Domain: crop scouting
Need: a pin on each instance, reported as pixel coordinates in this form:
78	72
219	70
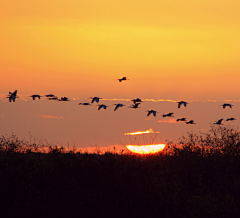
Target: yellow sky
186	46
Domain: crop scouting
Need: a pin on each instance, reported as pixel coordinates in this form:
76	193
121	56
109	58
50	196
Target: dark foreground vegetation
197	177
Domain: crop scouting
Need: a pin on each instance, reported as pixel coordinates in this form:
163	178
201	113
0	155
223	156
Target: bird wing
15	93
117	106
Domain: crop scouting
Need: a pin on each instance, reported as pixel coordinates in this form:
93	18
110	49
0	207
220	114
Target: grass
198	176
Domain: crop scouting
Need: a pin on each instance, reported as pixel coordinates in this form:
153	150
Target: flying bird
226	105
180	103
153	112
102	106
230	119
53	98
219	122
136	100
89	104
168	115
122	79
95	99
64	99
35	96
190	122
117	106
12	96
50	95
135	105
182	119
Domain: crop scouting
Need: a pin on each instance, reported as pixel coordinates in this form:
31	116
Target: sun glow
146	149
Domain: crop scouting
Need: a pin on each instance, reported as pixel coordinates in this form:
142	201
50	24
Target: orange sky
171	50
82	47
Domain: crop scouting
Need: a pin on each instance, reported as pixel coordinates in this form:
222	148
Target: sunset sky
170	51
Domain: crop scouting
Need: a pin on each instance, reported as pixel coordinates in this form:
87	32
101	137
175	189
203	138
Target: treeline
199	176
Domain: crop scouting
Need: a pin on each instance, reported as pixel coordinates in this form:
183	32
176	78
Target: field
199	178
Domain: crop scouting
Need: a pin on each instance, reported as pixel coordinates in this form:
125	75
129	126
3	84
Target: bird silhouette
136	100
219	122
180	103
102	106
12	96
226	105
153	112
122	79
230	119
190	122
89	104
135	105
50	95
181	119
64	99
95	99
35	96
53	98
117	106
168	115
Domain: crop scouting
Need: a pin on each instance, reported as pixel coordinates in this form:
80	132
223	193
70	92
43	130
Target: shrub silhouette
199	176
221	140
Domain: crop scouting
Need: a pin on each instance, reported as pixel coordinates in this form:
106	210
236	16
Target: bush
220	140
199	176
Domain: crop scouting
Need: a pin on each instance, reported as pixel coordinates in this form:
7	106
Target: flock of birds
136	102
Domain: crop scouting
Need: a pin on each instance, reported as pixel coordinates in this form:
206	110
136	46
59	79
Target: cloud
124	99
77	99
24	99
154	100
116	99
52	117
168	121
233	100
141	132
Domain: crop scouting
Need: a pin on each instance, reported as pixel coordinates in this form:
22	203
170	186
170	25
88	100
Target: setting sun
146	149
